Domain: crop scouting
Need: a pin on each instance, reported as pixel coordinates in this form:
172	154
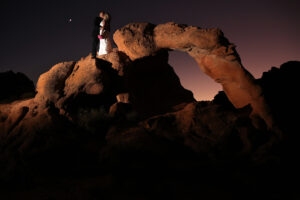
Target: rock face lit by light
214	54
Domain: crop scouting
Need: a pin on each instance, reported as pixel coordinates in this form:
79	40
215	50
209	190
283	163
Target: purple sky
35	35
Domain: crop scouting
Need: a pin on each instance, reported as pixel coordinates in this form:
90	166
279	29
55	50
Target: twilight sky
35	35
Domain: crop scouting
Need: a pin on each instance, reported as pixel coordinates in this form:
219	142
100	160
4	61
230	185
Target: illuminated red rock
76	88
215	55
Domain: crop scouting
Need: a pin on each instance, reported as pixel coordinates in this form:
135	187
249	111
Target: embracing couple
101	35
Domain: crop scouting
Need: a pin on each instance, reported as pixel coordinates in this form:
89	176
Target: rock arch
214	54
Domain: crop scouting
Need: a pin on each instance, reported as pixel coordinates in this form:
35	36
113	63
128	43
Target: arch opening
192	78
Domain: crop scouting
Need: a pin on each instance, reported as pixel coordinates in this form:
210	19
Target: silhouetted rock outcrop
280	87
153	86
14	86
222	99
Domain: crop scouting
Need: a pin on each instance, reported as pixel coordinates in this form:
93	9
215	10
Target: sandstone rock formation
73	89
124	127
215	55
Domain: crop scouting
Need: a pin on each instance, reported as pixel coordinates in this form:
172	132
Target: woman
105	45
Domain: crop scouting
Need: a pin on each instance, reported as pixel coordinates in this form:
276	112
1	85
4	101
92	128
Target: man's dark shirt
95	34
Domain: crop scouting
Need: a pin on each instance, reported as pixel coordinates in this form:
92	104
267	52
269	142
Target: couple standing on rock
101	35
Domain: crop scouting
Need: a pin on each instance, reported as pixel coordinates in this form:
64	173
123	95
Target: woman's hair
107	16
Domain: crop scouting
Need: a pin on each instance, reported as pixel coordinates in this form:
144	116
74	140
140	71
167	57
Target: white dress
105	43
